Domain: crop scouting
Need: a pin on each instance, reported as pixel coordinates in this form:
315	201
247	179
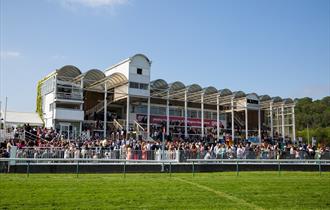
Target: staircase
117	125
140	131
239	119
98	107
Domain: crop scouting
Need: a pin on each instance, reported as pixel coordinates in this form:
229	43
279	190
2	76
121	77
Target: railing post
28	169
125	169
193	168
320	170
279	167
77	169
237	171
170	169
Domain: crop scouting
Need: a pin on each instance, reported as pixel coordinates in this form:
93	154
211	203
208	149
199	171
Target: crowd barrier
95	153
81	165
158	154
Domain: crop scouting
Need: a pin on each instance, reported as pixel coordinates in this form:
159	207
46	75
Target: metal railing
276	162
95	153
6	163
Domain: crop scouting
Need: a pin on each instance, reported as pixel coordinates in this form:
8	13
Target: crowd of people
47	143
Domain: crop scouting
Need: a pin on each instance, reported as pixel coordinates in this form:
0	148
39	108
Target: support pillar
81	105
105	111
202	115
246	124
185	114
283	127
278	121
127	115
232	120
148	117
218	120
271	120
293	125
259	125
168	114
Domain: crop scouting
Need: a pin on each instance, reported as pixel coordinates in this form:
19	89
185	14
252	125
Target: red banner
155	119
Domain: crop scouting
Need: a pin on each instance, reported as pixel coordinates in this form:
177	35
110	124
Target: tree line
316	116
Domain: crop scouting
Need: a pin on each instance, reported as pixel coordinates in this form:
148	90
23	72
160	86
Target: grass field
250	190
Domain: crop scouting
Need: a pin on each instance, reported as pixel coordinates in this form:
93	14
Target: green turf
250	190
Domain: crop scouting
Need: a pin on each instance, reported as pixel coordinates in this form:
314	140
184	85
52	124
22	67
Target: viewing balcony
69	114
69	96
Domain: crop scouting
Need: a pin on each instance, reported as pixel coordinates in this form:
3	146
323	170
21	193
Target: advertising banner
157	119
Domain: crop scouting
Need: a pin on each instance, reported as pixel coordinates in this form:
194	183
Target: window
155	110
134	85
175	112
144	86
192	113
51	107
137	85
139	71
141	109
251	101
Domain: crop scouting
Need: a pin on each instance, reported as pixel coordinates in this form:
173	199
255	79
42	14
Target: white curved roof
91	76
159	84
68	72
225	92
176	86
112	81
264	98
193	88
238	94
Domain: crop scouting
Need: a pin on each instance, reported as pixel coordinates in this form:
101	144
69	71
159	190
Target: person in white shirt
240	152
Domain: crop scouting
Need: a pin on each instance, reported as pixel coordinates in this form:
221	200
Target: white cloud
9	54
94	3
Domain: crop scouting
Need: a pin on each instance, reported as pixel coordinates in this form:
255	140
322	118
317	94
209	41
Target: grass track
250	190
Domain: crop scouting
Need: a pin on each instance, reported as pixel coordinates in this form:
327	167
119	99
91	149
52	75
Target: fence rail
75	165
157	154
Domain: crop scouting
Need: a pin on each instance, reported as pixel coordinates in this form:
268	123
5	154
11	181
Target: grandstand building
123	97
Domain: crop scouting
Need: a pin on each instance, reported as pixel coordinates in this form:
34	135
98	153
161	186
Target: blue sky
275	47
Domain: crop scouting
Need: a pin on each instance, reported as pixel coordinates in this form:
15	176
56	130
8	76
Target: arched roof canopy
112	81
116	79
175	86
225	92
92	76
276	99
210	90
253	96
238	94
67	73
158	84
263	98
193	88
287	101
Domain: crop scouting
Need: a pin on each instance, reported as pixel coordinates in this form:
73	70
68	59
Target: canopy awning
18	118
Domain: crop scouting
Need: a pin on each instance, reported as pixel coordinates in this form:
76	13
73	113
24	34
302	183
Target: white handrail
117	124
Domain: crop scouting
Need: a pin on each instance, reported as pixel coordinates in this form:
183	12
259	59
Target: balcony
69	96
69	114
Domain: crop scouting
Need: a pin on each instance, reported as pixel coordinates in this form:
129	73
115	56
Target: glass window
144	86
207	115
141	109
134	85
192	113
139	71
157	110
175	112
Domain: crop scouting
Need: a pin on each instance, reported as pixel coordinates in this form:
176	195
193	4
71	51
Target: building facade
123	97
